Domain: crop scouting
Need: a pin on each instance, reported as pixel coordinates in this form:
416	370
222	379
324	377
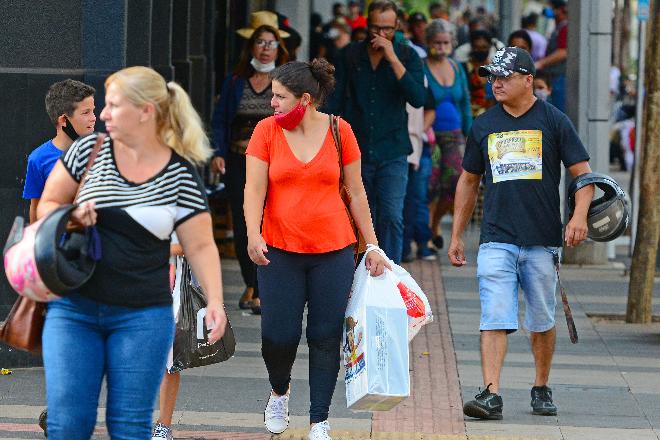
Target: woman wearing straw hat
244	101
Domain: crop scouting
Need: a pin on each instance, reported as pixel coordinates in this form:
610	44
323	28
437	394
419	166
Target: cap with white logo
508	60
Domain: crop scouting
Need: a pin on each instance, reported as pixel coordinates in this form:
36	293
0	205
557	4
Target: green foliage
416	6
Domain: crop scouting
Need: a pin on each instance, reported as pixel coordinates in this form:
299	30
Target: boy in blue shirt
70	106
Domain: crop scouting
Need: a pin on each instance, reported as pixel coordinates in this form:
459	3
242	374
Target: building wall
78	39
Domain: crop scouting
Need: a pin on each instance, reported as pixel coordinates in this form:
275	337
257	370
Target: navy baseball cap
417	17
508	60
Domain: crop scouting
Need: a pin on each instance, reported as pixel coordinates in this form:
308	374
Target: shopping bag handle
373	247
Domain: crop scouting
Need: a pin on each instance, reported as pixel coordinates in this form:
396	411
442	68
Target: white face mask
333	33
261	67
542	94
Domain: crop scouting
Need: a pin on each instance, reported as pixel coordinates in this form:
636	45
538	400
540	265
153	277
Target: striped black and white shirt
135	222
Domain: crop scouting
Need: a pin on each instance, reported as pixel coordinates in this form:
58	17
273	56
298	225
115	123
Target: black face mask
479	55
69	130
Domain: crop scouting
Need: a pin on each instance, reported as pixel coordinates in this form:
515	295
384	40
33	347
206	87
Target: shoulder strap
334	127
100	138
454	65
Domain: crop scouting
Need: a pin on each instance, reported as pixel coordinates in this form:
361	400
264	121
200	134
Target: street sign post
643	10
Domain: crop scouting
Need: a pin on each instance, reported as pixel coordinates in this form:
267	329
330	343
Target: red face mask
292	118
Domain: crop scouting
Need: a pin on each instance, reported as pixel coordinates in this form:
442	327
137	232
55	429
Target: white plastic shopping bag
375	343
417	304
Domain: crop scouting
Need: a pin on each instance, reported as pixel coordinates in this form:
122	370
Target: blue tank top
447	117
447	114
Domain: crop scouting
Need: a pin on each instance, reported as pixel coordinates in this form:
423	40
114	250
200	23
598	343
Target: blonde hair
178	124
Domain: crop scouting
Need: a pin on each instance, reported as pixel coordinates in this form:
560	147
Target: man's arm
410	76
412	81
576	229
465	198
555	57
387	46
397	66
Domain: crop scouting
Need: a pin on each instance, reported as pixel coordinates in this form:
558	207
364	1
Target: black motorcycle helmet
609	215
64	259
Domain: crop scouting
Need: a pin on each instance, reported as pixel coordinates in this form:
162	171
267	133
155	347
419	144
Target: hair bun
315	77
322	70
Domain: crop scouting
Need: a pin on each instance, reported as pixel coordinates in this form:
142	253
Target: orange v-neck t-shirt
304	212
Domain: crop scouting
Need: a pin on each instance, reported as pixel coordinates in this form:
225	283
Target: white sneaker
276	414
161	432
320	431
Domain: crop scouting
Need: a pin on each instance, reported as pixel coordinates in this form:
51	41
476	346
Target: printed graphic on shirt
516	155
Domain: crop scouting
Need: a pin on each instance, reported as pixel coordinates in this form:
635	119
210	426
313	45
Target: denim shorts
501	269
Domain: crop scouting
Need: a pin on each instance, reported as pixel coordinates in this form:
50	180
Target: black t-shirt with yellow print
520	159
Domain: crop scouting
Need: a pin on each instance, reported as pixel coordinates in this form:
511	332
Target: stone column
201	49
138	32
510	14
161	38
104	36
589	49
181	44
299	14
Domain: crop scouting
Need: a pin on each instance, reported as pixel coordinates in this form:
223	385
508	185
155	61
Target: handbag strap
334	127
100	138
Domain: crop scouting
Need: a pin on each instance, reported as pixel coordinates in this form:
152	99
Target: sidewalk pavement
226	401
607	386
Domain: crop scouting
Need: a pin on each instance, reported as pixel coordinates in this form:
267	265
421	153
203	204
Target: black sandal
256	308
243	303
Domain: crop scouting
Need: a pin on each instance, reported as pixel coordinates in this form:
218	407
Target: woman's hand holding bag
375	261
84	215
216	319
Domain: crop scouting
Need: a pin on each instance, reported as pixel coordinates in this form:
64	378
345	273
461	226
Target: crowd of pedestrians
421	100
458	95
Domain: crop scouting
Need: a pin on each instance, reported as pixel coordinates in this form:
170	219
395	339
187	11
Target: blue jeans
83	341
289	281
385	183
558	96
416	208
501	269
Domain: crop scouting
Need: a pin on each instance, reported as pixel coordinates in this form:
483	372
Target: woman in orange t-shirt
304	249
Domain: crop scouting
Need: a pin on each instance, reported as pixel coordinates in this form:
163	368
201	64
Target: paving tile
435	390
606	386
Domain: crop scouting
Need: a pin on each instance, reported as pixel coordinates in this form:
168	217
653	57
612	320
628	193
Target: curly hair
63	97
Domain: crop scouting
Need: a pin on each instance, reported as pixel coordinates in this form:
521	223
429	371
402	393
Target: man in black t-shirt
517	148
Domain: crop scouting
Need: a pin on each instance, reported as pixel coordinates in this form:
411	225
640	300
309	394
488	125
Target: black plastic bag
191	345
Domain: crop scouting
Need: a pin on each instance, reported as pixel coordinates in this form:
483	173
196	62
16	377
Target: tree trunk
618	33
640	290
624	48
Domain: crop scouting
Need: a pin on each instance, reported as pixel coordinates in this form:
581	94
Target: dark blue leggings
323	282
